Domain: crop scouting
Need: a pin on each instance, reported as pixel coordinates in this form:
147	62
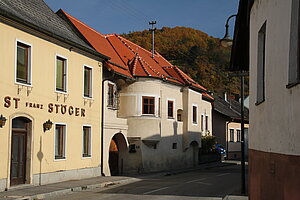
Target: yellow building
49	76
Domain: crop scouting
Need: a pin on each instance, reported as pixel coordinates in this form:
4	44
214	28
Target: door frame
25	134
29	148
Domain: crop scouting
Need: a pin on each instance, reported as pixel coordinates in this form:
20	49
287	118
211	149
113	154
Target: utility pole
153	30
242	76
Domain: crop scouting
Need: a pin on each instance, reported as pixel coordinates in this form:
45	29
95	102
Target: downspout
227	140
102	126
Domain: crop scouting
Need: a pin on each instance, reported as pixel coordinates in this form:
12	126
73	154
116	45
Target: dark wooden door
18	158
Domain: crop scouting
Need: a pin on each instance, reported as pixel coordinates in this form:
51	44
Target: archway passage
21	127
113	158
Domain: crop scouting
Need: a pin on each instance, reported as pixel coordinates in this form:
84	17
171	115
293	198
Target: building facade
49	77
274	155
155	113
227	126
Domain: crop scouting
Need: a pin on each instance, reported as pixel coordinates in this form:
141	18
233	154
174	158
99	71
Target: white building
154	114
272	27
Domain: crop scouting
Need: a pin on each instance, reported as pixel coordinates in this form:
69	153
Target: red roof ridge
122	38
156	72
82	23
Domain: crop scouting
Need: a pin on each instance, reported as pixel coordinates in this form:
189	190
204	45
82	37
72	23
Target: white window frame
229	136
90	140
236	130
29	63
114	98
174	110
66	66
92	82
197	120
65	141
155	105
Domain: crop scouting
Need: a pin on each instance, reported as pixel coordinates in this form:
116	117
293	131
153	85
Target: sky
124	16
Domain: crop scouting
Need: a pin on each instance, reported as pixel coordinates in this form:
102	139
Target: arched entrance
117	150
113	158
20	148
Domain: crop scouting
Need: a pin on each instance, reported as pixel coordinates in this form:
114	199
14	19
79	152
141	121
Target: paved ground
207	184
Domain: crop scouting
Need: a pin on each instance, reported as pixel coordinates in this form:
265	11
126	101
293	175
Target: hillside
196	53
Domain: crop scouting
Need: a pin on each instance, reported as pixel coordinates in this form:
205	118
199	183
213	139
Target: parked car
220	149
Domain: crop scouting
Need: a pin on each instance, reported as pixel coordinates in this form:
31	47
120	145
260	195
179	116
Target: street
210	183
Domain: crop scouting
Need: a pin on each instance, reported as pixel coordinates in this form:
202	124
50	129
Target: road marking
204	183
223	174
152	191
196	180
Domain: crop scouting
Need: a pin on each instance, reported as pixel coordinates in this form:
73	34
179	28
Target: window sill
88	98
171	118
59	158
290	85
260	102
23	84
112	108
86	156
61	91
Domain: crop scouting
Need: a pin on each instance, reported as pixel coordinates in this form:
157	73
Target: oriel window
87	82
86	151
148	105
23	63
61	74
60	137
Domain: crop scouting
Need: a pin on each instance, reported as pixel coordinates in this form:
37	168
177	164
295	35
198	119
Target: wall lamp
227	41
2	121
47	125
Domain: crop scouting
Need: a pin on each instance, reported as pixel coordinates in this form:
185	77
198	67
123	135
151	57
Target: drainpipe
102	125
227	140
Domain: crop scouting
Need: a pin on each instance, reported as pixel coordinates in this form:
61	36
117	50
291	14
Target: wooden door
18	158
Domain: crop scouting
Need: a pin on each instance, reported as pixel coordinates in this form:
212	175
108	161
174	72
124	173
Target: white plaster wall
274	123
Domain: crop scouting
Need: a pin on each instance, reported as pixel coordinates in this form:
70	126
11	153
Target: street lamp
227	41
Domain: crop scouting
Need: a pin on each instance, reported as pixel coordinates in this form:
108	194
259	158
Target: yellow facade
40	102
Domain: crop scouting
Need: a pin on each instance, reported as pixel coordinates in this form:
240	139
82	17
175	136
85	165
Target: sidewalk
29	192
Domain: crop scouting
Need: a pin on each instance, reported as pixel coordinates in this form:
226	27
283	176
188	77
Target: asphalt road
208	184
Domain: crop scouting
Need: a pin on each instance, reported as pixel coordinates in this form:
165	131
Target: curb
76	189
230	197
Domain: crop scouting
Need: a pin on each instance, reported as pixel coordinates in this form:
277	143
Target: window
261	65
194	114
231	135
23	63
87	81
202	122
170	109
179	115
206	122
174	146
294	51
61	74
132	148
238	135
112	96
159	107
86	149
148	105
60	137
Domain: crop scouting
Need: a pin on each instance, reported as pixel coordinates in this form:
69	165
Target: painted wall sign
51	107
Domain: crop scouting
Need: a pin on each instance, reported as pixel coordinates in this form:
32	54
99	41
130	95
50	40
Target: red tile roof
131	60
